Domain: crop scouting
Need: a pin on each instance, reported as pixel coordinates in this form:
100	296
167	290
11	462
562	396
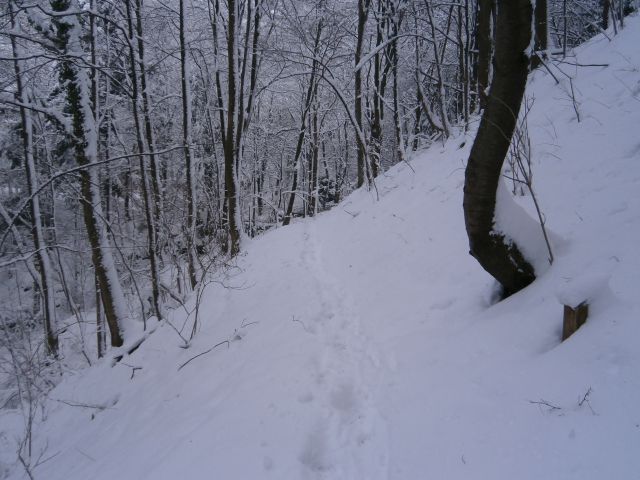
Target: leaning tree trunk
83	138
497	254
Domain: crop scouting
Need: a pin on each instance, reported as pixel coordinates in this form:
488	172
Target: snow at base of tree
514	222
364	344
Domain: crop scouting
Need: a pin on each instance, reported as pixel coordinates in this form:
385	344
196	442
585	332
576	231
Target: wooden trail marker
574	318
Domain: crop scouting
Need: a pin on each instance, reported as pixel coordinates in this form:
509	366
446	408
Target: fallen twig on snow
543	402
203	353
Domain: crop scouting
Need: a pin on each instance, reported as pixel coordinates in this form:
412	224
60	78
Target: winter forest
146	145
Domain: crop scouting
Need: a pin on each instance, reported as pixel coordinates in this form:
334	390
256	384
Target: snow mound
583	289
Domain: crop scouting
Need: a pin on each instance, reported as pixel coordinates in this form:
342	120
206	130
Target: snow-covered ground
365	343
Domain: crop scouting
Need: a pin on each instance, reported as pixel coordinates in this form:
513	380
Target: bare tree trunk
230	173
246	96
313	167
146	114
363	12
397	127
497	255
146	193
541	31
465	64
379	82
621	12
303	127
606	9
43	262
244	113
214	15
564	28
101	337
83	138
186	144
446	127
393	60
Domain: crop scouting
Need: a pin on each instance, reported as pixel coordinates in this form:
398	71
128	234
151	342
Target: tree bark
541	32
606	8
483	41
230	176
495	253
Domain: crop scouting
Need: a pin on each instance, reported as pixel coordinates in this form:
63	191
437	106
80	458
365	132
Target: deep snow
364	343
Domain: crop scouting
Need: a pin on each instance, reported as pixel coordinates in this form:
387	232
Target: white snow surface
365	343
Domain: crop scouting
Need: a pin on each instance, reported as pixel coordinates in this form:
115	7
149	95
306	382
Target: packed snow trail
349	438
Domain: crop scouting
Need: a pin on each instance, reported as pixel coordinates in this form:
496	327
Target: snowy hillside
364	344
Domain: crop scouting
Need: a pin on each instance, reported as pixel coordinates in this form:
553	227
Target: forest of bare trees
142	141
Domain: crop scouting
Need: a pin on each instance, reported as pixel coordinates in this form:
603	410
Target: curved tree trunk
497	255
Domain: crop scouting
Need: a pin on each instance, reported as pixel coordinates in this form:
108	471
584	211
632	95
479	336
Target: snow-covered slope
364	344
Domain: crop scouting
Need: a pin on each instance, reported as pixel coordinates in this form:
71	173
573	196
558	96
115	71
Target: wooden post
574	318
